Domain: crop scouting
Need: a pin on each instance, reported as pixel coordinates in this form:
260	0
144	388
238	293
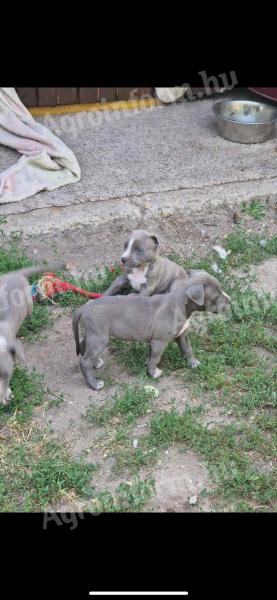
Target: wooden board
68	95
54	96
89	94
47	96
28	96
107	94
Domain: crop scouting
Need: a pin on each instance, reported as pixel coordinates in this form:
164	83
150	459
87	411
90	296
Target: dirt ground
85	249
179	476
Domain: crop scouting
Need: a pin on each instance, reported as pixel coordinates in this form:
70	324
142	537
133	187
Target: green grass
28	393
128	497
131	403
221	448
36	470
255	209
233	379
12	256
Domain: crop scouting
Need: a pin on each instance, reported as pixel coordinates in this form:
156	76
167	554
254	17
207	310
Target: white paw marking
98	363
100	385
157	373
194	363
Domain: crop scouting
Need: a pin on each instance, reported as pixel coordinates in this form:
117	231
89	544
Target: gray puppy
144	269
156	320
16	304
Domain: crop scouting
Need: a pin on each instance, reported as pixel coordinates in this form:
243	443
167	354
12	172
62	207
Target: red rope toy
50	284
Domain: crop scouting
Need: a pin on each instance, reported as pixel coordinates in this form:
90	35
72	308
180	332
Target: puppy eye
140	250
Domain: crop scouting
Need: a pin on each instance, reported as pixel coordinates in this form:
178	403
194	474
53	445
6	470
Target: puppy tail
75	326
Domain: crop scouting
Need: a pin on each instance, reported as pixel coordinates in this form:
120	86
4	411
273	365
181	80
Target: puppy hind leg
156	349
94	346
186	349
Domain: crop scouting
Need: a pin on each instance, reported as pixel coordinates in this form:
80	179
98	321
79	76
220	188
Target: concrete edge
50	220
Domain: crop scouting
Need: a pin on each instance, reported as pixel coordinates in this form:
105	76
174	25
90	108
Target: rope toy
50	284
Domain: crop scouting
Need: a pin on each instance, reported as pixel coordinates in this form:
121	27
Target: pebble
263	243
221	251
193	499
135	443
216	268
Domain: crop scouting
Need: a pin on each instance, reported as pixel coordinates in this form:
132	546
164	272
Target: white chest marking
3	343
137	278
185	326
128	249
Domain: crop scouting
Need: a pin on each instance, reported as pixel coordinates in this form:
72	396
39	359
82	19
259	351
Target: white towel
46	162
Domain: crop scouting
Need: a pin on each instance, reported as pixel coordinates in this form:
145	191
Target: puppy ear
196	294
156	240
16	350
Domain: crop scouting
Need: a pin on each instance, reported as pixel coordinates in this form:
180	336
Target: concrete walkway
154	159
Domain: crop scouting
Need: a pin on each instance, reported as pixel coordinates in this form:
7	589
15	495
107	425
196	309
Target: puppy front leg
117	285
186	349
156	349
146	290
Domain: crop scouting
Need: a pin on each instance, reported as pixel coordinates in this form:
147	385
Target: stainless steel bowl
245	121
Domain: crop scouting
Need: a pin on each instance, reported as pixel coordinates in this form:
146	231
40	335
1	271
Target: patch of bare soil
86	248
263	277
266	277
180	477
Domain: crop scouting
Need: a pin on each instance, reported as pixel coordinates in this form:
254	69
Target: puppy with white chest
144	269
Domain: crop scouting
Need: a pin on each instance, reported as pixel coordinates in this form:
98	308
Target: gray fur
16	305
144	253
156	320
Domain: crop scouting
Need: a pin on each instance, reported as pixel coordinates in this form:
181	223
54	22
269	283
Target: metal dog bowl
245	121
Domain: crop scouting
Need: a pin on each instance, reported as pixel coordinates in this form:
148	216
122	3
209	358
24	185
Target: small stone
216	268
193	499
263	243
221	252
135	443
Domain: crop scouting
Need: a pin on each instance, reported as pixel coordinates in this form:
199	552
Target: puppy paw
99	385
98	363
156	373
193	363
8	397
